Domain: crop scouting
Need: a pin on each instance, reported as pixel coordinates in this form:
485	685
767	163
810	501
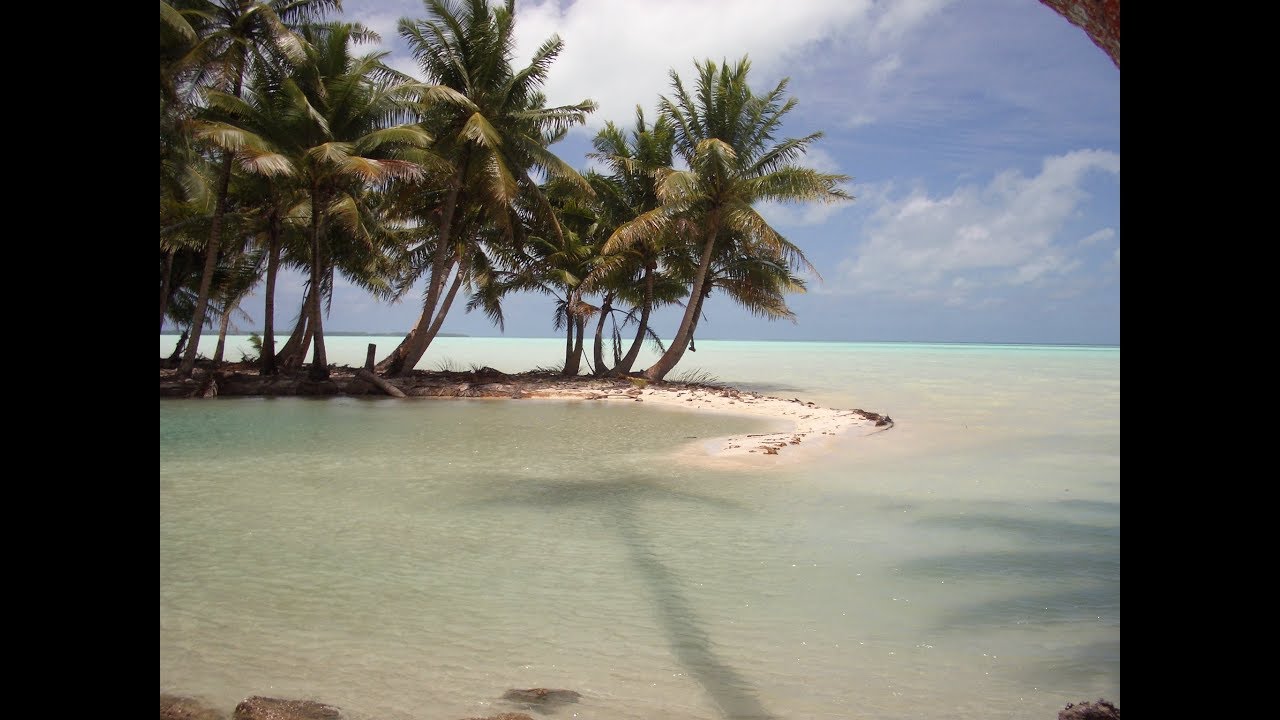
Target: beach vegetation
725	134
283	146
492	126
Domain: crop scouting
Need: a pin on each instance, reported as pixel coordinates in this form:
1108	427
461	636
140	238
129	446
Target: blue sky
982	136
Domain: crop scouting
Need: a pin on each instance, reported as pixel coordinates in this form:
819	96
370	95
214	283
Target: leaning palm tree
343	142
635	273
491	123
756	277
724	133
337	142
236	36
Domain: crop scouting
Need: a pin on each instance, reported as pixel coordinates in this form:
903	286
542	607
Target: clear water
416	559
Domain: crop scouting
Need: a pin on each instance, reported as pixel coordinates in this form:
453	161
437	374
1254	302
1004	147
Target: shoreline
804	426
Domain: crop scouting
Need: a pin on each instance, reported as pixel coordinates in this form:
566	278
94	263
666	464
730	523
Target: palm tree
634	273
756	277
336	141
724	132
491	124
236	36
343	144
558	264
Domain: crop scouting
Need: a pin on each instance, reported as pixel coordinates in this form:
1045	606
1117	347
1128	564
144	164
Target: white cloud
1097	237
385	24
883	69
900	18
1004	234
620	53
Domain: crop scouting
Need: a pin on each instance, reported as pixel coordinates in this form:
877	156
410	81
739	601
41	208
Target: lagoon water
417	558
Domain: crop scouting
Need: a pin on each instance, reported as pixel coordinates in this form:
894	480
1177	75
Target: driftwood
381	384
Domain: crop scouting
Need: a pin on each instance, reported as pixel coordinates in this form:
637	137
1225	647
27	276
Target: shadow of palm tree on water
694	649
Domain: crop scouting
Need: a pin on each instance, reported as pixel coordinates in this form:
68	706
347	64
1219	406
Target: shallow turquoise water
415	559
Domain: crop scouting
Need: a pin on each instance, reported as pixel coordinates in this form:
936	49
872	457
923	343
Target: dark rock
1100	710
176	707
265	708
542	695
1100	19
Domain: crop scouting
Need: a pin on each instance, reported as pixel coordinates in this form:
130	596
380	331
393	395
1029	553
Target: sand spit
800	424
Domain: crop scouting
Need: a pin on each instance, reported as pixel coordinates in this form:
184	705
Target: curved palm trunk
177	349
299	357
414	345
444	308
624	367
319	360
676	349
580	325
165	281
267	364
211	250
223	324
285	358
568	343
598	351
573	346
210	263
434	330
406	355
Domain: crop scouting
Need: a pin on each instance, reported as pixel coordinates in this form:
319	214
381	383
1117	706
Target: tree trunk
177	350
568	344
222	335
419	337
267	361
319	360
301	356
406	355
210	263
676	349
598	350
165	279
579	324
624	366
444	310
379	383
289	351
211	250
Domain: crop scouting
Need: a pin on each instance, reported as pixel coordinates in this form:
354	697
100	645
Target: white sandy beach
803	428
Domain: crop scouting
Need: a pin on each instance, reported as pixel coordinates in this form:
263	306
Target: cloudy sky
982	136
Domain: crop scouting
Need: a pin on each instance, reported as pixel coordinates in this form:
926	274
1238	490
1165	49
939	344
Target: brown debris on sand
542	695
1100	710
177	707
268	708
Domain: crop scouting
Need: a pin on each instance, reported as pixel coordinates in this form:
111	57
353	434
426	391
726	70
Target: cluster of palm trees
280	144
